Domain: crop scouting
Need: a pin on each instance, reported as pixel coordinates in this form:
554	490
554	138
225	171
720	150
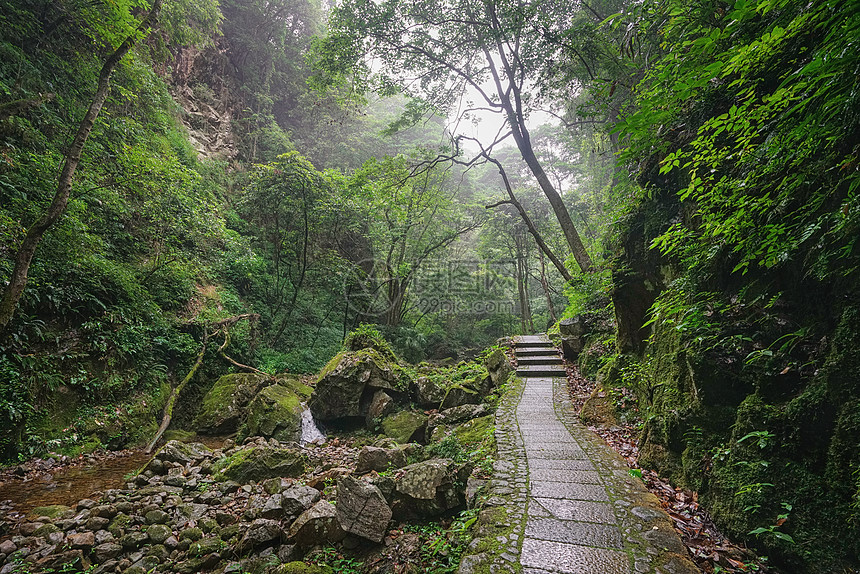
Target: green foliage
368	337
763	97
587	293
331	557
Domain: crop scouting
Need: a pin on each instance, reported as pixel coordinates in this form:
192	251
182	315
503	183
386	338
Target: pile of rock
364	386
193	509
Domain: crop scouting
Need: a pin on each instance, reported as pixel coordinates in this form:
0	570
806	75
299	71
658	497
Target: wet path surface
585	513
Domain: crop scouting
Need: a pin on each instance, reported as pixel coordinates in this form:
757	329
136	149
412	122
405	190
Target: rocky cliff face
201	84
749	388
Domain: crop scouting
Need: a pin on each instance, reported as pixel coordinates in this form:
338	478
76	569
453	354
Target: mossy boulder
460	394
475	430
224	405
498	367
346	386
429	392
276	411
598	409
405	426
53	511
256	463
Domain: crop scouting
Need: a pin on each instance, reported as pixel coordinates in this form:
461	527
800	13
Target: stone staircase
537	357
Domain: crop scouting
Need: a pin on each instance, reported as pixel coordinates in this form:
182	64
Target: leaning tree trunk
24	256
561	214
527	220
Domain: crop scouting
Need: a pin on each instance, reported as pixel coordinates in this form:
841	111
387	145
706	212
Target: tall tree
451	52
35	233
409	219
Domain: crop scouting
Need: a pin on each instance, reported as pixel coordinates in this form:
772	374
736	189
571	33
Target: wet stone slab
569	491
581	510
560	464
556	453
585	533
564	475
572	558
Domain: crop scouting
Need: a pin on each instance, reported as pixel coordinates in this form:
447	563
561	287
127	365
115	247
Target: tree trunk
545	284
529	224
24	256
561	214
511	102
171	402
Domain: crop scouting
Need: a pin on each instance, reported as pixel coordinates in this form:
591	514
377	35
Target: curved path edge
561	501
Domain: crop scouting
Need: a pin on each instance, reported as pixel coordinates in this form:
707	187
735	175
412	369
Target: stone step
532	343
540	360
536	351
541	371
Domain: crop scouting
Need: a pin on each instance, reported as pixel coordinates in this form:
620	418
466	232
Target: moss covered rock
224	405
346	385
53	511
405	426
475	430
276	411
256	463
498	367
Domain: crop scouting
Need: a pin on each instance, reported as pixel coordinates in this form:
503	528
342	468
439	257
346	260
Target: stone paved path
571	525
560	500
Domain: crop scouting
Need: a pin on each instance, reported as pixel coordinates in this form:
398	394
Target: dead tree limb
168	408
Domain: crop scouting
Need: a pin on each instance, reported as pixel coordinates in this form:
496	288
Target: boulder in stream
276	411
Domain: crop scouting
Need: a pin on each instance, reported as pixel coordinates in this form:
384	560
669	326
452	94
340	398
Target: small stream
68	485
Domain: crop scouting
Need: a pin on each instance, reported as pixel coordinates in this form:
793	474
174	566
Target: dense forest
190	189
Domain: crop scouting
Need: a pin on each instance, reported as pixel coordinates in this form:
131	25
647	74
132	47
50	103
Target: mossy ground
753	450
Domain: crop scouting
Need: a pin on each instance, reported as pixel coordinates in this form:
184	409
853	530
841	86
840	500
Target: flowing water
310	432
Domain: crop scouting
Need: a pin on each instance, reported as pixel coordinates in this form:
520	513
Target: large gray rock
429	392
379	459
316	525
347	384
297	499
261	532
224	405
276	411
380	405
456	415
183	452
463	394
422	479
574	333
257	463
362	509
430	488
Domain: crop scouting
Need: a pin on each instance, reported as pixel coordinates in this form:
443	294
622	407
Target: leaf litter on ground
712	551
